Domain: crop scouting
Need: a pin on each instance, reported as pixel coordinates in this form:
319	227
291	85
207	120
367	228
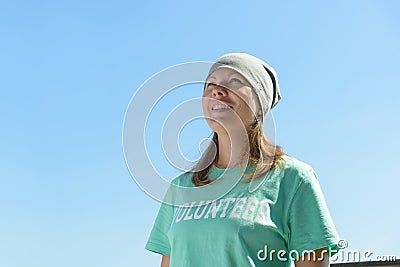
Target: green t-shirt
285	216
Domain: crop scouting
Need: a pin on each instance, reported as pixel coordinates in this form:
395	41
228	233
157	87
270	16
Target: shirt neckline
216	172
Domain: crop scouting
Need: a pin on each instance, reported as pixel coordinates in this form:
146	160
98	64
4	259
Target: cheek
248	101
249	108
253	102
255	105
204	103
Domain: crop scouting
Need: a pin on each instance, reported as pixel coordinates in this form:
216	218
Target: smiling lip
221	107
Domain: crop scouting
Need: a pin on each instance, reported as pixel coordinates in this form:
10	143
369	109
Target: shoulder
176	190
183	179
296	169
294	164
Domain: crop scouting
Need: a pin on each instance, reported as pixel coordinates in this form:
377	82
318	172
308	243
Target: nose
219	90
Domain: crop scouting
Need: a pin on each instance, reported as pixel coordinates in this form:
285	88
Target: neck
231	149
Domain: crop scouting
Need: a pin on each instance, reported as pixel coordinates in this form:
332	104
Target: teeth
216	107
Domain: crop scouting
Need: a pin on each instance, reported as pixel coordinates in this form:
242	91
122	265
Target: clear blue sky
69	69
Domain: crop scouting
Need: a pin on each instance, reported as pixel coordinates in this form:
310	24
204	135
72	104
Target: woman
274	214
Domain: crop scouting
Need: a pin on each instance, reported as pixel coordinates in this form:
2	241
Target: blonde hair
264	155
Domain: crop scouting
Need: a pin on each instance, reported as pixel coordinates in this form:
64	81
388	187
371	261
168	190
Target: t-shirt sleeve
158	240
310	223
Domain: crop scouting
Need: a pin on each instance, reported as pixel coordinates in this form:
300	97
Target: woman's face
226	94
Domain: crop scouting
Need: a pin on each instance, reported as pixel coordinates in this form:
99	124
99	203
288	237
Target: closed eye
208	84
235	80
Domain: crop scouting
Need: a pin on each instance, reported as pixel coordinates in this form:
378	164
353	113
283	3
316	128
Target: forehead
222	73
